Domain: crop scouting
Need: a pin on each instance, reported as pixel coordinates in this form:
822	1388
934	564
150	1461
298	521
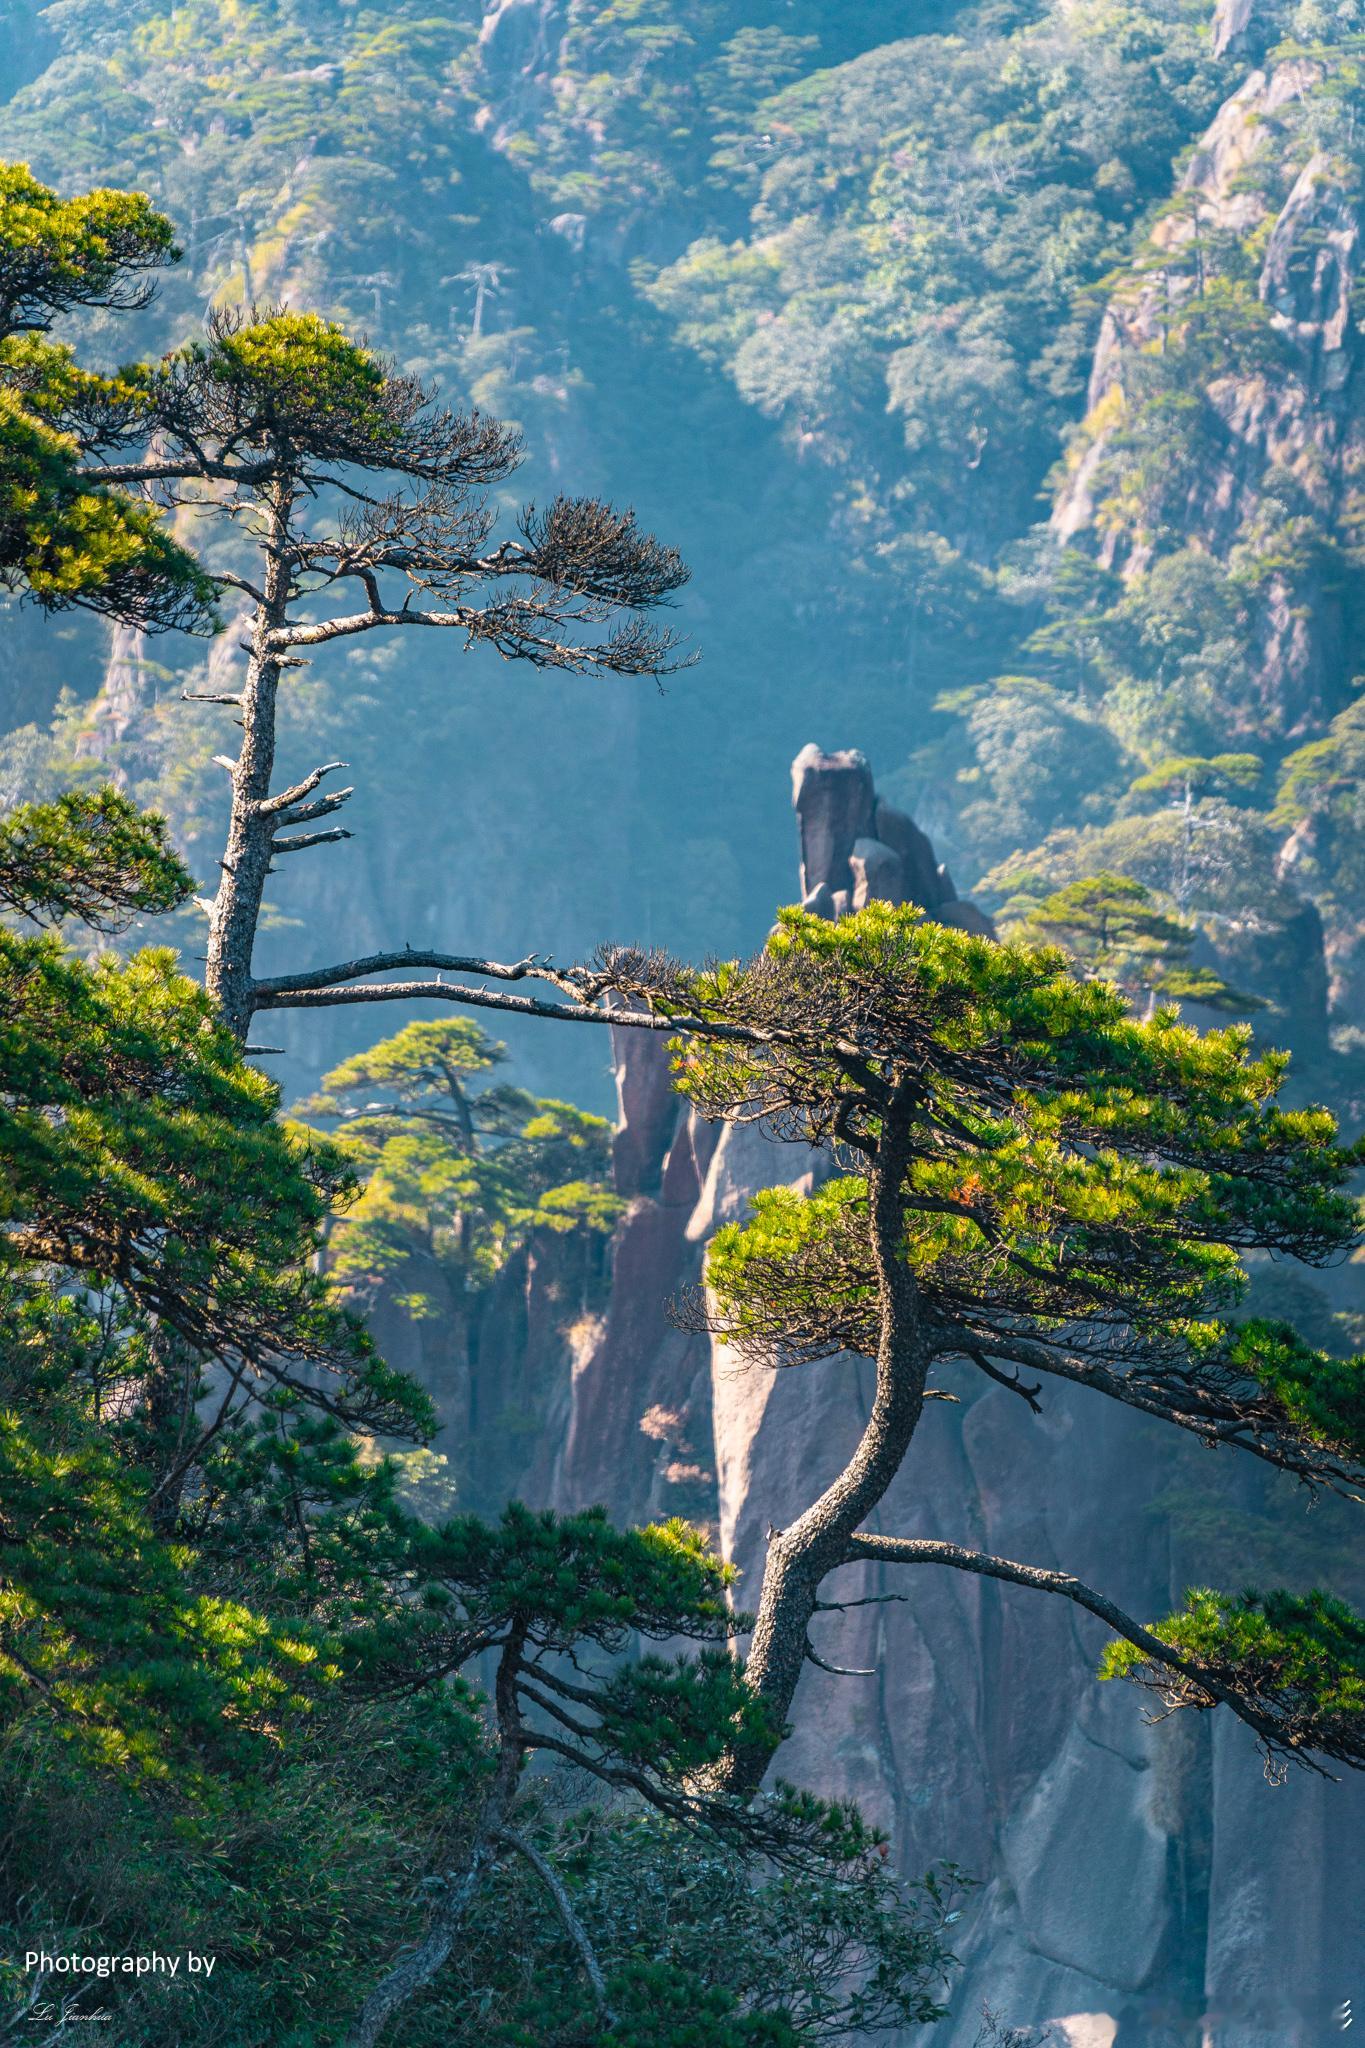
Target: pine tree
1030	1182
213	1601
453	1170
1114	929
351	483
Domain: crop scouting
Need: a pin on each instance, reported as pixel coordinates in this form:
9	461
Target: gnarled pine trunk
800	1557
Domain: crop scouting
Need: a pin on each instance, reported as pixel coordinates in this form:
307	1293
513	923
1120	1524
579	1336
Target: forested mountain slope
824	301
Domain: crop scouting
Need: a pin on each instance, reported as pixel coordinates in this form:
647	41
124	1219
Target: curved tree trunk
800	1557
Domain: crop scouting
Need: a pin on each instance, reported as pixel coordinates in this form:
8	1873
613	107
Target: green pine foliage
1036	1204
141	1151
1300	1658
92	856
704	1930
464	1180
65	539
142	1670
865	259
1116	932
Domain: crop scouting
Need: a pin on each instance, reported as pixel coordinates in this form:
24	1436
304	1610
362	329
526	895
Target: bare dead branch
835	1670
306	839
572	1925
320	807
270	806
1010	1380
386	963
290	993
867	1600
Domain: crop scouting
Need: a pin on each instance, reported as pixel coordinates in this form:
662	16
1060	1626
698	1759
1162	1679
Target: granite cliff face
1129	1874
1262	243
683	1178
1242	465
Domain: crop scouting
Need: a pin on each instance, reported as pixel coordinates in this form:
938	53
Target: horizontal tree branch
487	999
304	839
294	992
1212	1417
351	623
925	1550
320	807
271	806
387	963
509	632
198	468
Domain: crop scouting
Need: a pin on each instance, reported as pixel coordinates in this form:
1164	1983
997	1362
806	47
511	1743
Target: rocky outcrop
1282	423
1233	26
500	1365
1221	196
638	1434
1310	266
857	849
1284	960
517	51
